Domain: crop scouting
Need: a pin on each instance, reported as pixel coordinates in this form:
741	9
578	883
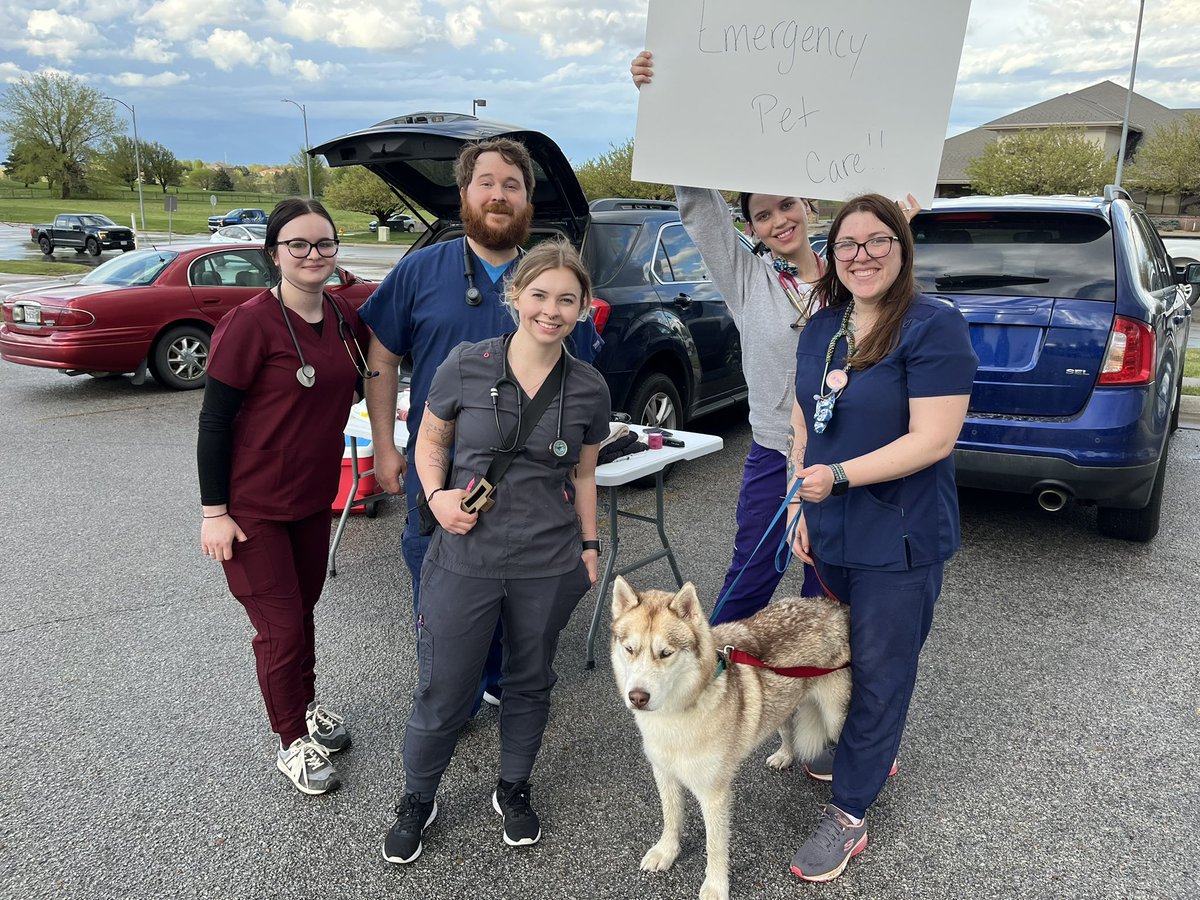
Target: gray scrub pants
455	626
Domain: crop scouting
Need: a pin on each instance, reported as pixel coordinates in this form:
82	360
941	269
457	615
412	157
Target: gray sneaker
305	764
326	727
821	768
824	855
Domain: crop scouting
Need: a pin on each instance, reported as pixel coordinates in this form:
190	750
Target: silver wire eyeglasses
876	247
301	248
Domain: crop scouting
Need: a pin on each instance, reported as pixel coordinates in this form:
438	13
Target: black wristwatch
593	545
841	483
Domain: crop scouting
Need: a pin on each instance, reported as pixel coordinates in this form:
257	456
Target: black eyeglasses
300	248
876	247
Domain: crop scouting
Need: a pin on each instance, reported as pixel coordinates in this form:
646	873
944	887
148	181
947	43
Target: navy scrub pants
414	546
457	620
764	485
277	574
890	617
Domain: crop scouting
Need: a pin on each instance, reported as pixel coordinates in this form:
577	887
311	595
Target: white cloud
138	79
463	26
233	50
151	49
498	45
180	19
11	72
50	33
353	23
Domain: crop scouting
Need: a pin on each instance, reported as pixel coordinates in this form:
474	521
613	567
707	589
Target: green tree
161	165
61	122
1043	161
119	161
25	163
359	189
1168	160
221	180
202	176
320	172
608	175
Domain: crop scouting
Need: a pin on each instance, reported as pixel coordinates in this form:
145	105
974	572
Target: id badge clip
480	497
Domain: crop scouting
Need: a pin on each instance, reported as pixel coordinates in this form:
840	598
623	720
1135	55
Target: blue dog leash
782	551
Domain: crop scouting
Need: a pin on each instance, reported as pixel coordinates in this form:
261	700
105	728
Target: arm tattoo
791	460
439	458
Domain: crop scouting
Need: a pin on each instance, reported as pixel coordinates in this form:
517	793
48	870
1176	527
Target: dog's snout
639	698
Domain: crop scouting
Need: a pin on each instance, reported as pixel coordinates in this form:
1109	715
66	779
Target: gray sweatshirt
760	308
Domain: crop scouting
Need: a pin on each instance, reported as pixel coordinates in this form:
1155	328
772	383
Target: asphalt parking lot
1051	752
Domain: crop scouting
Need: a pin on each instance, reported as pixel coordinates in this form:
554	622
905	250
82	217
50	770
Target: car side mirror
1188	274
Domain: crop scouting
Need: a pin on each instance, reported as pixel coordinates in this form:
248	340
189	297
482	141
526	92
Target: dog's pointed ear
686	604
624	598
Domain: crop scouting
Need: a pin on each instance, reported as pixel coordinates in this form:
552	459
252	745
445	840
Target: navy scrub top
532	531
421	308
287	439
911	521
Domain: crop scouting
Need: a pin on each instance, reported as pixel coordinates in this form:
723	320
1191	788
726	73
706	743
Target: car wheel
47	247
179	359
410	227
92	246
654	400
1140	525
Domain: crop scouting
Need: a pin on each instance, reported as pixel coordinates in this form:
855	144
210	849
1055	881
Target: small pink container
654	440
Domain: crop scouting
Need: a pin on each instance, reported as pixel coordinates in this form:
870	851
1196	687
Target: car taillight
35	315
1130	356
601	310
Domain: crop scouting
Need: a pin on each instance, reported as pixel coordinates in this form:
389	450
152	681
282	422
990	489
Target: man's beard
512	234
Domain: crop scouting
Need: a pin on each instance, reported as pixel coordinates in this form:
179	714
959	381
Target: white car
1184	250
240	234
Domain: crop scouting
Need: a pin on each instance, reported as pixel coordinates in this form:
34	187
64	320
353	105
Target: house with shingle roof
1098	111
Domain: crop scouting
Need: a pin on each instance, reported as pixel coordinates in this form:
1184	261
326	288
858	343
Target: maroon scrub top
287	438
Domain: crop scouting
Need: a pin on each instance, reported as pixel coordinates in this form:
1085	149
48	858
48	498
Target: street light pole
1129	96
137	156
477	103
307	146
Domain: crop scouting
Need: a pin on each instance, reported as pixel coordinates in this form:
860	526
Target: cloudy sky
207	76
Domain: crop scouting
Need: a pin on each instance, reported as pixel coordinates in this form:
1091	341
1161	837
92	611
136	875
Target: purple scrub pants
277	574
890	617
764	485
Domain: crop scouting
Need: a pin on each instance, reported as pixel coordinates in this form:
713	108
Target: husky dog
700	721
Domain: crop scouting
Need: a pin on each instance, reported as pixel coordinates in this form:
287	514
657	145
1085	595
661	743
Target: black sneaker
521	825
402	843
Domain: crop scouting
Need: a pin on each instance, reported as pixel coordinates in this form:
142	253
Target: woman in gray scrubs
528	559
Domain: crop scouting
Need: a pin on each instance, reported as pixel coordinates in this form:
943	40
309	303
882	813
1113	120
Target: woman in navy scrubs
283	371
527	560
883	377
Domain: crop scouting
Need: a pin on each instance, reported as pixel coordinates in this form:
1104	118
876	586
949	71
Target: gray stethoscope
306	374
558	447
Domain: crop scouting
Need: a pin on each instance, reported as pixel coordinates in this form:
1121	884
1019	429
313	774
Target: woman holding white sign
770	298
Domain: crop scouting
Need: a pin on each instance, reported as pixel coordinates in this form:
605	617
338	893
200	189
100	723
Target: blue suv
671	351
1081	328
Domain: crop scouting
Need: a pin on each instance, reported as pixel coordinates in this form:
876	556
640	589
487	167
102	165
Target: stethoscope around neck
474	296
558	447
307	374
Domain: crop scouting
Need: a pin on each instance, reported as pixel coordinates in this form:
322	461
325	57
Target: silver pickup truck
92	232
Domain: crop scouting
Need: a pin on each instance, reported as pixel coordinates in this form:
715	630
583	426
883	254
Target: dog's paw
714	890
660	857
781	758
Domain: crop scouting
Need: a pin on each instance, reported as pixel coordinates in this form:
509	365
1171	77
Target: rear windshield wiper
984	280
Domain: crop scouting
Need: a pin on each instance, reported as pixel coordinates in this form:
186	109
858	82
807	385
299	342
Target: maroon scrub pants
277	574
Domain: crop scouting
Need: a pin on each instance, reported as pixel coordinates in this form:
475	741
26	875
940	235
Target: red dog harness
732	655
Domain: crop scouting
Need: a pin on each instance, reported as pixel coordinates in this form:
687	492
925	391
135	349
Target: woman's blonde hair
553	253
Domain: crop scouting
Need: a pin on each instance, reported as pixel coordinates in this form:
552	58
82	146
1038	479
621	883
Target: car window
130	269
605	249
230	268
677	259
1151	257
1043	254
97	220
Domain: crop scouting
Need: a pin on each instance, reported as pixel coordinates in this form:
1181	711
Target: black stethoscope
558	447
474	297
306	374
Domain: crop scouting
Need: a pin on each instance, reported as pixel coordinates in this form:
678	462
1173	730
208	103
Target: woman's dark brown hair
899	296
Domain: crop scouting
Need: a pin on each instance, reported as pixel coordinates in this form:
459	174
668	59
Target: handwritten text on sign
810	98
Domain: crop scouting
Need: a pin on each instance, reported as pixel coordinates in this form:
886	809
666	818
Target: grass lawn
1191	369
37	267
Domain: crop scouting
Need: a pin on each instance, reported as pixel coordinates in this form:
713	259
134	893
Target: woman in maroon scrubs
283	371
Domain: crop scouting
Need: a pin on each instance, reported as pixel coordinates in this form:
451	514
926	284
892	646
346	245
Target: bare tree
61	122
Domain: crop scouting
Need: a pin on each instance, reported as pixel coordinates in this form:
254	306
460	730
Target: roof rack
1115	192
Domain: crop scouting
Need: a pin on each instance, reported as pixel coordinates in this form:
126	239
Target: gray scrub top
532	531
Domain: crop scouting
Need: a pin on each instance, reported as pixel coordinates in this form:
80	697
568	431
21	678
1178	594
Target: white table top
359	426
638	465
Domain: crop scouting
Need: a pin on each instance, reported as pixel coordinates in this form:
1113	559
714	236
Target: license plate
33	315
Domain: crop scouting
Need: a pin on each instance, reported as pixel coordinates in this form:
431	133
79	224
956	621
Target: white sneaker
304	762
326	727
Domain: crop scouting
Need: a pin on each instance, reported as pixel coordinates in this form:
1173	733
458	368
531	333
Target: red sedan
152	309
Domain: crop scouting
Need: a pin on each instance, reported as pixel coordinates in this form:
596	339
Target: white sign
799	97
212	198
